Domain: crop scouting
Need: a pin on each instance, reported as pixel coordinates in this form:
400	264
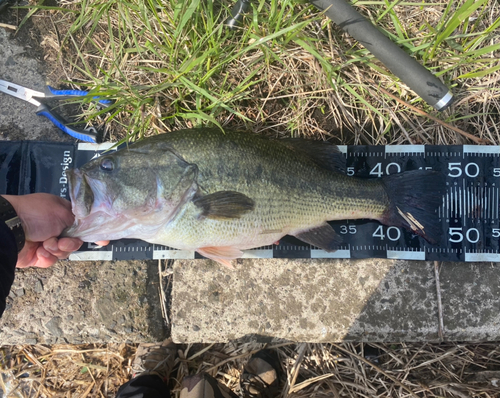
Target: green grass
181	56
288	71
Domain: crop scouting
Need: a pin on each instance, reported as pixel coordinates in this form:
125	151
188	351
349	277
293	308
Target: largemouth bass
220	193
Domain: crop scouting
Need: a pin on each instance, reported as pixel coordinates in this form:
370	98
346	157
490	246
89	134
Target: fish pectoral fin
323	237
224	205
221	254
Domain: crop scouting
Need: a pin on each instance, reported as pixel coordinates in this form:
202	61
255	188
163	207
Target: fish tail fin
414	198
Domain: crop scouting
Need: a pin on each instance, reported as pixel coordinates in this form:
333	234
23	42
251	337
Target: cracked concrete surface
333	300
84	302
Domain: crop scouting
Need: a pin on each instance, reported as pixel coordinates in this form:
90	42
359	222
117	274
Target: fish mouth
87	205
80	193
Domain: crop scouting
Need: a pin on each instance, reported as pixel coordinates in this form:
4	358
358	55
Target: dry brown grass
65	370
310	370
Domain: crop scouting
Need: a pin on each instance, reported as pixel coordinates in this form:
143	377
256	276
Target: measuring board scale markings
469	213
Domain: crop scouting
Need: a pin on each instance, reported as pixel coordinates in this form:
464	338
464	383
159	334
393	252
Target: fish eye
107	165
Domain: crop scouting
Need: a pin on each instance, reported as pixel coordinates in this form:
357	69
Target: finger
102	242
62	248
69	244
27	257
35	255
51	245
55	245
44	259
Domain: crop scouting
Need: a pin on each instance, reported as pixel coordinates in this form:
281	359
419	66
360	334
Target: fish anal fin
224	205
323	236
221	254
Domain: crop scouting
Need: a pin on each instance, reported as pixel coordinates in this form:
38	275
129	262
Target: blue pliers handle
37	97
53	93
87	135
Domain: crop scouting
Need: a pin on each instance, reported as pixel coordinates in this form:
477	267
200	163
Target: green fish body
222	192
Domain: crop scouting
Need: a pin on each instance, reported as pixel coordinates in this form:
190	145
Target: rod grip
418	78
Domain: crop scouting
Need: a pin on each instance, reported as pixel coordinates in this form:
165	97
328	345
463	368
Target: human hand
44	217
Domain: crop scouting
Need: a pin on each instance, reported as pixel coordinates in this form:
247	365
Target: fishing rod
417	77
237	13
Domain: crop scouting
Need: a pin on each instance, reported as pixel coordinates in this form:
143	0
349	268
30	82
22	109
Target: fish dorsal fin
224	205
322	153
221	254
323	237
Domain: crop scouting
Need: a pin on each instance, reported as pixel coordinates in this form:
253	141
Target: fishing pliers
37	98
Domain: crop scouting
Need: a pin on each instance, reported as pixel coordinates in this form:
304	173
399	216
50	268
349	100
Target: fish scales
290	191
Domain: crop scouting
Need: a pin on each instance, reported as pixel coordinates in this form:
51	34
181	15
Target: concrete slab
471	298
69	302
297	300
84	302
333	300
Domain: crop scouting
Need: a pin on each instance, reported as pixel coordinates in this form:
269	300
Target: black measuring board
469	213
